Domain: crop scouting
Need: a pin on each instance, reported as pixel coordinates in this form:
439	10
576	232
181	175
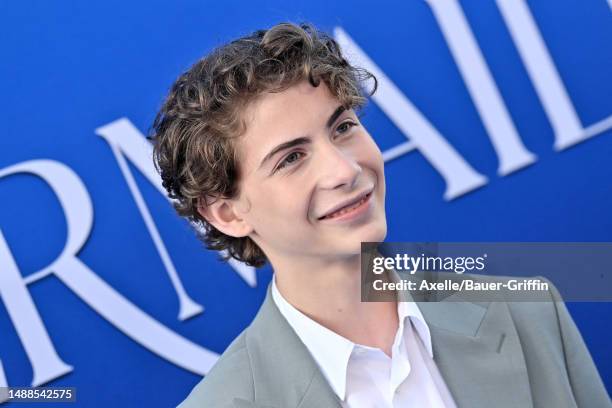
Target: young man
260	143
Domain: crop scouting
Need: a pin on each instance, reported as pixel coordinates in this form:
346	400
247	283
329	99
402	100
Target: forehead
278	117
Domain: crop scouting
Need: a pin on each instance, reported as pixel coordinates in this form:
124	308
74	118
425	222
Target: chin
379	234
376	232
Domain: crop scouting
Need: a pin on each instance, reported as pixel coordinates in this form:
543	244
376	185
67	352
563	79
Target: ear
223	215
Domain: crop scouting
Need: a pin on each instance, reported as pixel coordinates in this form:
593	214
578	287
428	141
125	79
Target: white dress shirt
365	377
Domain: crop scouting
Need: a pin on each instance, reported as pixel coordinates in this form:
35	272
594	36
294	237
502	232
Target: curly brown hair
194	132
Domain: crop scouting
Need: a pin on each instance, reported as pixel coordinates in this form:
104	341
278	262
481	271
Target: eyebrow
301	140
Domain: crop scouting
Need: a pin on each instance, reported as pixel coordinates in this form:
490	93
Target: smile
350	211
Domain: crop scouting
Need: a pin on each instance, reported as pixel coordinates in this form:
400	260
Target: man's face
302	157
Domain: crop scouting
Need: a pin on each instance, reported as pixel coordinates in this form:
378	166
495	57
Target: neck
329	292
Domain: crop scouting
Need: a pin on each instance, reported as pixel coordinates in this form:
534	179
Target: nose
338	167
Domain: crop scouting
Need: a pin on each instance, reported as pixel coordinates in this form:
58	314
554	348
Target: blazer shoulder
231	377
551	340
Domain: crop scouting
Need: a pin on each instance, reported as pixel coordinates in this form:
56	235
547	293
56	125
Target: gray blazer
495	354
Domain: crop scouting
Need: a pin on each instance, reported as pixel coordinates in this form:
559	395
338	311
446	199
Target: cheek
371	154
283	207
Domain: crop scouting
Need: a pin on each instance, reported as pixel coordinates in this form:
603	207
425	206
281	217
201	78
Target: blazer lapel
284	373
478	352
475	345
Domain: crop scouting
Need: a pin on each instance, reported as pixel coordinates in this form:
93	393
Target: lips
347	206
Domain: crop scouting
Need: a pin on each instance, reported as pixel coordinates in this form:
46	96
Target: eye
344	127
290	159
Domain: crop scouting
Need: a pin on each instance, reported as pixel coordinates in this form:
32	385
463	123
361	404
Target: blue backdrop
106	290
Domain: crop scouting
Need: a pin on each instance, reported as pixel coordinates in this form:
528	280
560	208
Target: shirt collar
332	351
408	308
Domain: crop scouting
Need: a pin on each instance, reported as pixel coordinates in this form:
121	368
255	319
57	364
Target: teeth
347	209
